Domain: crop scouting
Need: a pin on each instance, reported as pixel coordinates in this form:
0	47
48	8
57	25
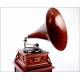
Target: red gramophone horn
54	30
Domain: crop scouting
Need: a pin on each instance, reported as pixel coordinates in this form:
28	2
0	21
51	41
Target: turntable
35	59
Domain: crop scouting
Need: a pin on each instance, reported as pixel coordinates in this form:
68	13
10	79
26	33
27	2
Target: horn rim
59	37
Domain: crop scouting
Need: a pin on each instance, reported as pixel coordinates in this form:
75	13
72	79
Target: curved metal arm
25	42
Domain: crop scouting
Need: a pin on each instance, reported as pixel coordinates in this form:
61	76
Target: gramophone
35	59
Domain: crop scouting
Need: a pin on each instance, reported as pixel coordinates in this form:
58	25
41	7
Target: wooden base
48	69
32	62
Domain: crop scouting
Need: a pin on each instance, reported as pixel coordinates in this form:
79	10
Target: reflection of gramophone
34	59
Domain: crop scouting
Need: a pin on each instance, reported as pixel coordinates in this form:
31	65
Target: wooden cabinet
32	62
